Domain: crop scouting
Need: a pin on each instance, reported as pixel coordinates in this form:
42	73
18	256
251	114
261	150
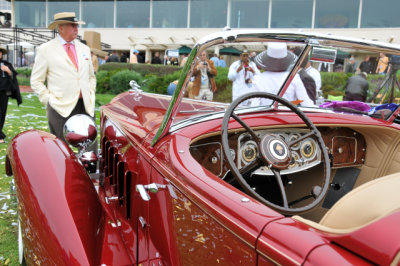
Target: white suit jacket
57	81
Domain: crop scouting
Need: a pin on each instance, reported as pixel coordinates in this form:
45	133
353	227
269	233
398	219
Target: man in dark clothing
366	66
113	57
140	58
8	88
308	80
124	58
309	84
356	88
156	59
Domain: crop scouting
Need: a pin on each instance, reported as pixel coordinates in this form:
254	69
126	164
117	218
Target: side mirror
323	54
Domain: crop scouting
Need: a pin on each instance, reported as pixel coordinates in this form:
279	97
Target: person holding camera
241	73
204	83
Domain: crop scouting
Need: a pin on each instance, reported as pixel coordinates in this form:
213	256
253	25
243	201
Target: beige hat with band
64	18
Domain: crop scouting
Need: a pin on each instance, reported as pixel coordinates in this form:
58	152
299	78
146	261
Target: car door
179	231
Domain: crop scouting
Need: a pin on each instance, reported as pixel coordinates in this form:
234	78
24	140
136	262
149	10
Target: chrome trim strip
277	251
207	117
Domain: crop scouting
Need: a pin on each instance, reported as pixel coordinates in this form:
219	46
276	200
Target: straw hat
63	18
276	58
3	50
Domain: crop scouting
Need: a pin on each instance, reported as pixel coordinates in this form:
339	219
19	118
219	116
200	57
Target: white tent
25	45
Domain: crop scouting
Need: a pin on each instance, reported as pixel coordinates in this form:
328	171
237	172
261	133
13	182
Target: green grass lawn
29	115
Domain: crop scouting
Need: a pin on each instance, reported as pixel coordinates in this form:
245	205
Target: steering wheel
275	153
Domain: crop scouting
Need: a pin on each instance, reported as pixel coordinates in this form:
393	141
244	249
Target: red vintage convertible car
261	180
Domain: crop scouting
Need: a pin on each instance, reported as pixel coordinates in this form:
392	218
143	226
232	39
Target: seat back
365	204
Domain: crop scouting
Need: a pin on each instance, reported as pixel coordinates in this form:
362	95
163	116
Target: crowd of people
268	70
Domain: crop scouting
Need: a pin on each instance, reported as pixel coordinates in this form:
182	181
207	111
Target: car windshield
318	73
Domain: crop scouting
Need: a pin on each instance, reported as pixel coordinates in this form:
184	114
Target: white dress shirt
272	81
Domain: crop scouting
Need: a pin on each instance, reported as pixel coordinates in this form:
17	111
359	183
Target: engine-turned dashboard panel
346	146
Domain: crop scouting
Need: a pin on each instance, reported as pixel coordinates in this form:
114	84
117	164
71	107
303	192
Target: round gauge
249	152
307	148
293	137
295	159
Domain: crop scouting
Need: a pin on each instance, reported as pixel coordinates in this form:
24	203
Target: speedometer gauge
249	152
307	148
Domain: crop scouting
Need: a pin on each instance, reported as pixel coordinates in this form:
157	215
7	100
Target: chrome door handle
108	199
153	188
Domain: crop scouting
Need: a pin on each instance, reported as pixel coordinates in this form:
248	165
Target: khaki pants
205	94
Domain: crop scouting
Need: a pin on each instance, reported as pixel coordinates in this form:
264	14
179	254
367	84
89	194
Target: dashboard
346	148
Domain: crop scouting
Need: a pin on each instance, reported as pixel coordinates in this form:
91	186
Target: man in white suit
63	75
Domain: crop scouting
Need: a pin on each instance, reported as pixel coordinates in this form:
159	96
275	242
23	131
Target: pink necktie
72	57
71	54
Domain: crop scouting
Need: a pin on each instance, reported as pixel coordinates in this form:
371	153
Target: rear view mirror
323	54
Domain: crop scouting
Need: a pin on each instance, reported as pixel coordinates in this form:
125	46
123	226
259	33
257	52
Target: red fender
60	212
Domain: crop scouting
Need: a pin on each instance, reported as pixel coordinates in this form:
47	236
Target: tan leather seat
361	206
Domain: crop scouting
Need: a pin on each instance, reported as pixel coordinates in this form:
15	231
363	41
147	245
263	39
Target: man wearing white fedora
276	61
63	75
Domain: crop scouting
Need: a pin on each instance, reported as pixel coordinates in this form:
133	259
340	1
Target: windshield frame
237	36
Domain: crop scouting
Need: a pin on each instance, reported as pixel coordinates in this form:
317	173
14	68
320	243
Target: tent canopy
230	51
184	50
342	54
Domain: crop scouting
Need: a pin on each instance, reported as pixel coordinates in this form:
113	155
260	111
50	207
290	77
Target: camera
394	60
205	63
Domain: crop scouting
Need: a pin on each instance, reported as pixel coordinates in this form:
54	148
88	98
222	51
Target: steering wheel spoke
248	168
278	177
248	129
303	137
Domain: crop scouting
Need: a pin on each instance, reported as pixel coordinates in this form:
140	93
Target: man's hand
242	65
250	69
5	68
202	65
